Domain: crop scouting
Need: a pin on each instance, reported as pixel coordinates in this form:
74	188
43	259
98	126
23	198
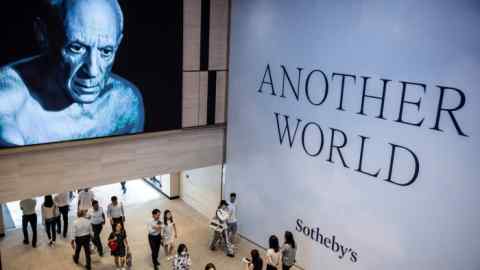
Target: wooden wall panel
31	173
221	98
191	34
215	38
219	24
191	96
203	99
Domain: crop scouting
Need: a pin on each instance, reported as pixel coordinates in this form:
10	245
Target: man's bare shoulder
13	91
128	96
125	89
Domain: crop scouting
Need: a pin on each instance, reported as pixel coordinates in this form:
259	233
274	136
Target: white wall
201	188
432	223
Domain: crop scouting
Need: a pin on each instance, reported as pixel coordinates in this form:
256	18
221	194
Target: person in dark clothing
255	263
62	200
155	236
97	218
120	252
29	216
50	219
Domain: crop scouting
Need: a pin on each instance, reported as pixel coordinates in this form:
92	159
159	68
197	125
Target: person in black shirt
119	236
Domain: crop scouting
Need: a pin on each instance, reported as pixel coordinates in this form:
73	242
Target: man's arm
12	98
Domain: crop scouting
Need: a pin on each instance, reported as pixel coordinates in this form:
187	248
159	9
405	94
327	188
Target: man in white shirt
81	231
85	198
154	236
29	216
115	213
97	219
232	219
62	200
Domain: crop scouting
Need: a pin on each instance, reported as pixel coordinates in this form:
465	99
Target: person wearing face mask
182	261
220	229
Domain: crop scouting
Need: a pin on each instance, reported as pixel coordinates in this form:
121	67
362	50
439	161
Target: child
169	233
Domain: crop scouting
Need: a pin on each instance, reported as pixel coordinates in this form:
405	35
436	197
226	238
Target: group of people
276	257
86	228
162	232
224	226
53	212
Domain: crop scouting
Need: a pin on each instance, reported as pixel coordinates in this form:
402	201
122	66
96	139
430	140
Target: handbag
113	245
129	259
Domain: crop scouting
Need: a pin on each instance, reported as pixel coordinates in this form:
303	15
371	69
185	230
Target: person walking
289	250
50	219
62	200
81	232
182	260
85	198
115	213
169	233
29	217
97	219
124	186
232	221
220	230
117	241
273	258
154	236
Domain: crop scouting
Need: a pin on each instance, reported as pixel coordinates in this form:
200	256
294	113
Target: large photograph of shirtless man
69	89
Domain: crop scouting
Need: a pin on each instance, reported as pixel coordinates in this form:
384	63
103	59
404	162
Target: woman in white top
169	233
273	258
49	216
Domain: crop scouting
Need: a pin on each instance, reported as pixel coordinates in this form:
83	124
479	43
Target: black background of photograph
150	55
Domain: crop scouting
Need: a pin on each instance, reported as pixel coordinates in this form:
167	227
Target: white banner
354	124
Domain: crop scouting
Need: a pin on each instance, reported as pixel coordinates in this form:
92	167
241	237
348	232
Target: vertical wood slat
219	24
195	112
203	99
221	98
191	99
191	34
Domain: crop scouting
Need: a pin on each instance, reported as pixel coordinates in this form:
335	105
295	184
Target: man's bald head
99	10
82	37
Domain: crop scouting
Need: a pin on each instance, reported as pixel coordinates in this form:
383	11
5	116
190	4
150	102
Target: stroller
219	237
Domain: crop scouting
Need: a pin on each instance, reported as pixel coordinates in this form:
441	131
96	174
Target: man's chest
38	125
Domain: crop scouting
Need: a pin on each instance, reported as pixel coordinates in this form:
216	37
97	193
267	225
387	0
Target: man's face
232	199
156	216
91	39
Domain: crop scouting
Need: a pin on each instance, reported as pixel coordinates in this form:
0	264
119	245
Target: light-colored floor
139	201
